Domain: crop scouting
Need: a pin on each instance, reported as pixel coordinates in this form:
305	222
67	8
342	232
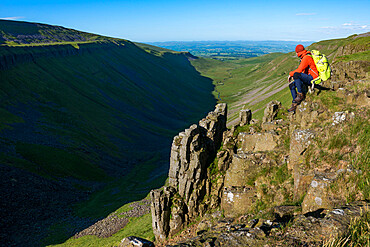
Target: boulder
133	241
307	114
340	117
257	142
319	195
245	117
237	200
312	229
285	212
271	111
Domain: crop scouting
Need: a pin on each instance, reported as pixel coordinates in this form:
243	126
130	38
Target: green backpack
322	65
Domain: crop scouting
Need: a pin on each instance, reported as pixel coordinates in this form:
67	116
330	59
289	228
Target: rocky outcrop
271	164
161	211
238	196
257	142
245	117
135	242
240	191
305	230
271	111
192	152
351	70
299	142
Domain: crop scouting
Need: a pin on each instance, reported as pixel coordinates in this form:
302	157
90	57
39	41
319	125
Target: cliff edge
290	179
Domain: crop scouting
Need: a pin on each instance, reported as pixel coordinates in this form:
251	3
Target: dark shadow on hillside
113	106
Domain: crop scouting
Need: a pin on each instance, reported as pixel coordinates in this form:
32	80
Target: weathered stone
245	117
133	241
238	196
202	227
224	160
257	142
237	200
351	70
311	230
285	212
304	230
161	211
271	111
306	114
340	117
299	142
318	194
192	152
215	124
177	220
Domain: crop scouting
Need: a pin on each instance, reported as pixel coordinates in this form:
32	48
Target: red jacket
307	65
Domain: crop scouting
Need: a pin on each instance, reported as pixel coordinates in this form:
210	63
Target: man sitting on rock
302	76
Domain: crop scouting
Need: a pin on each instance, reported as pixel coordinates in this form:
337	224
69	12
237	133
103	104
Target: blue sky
166	20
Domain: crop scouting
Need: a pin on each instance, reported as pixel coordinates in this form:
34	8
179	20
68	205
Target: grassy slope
117	98
253	82
20	33
249	81
96	111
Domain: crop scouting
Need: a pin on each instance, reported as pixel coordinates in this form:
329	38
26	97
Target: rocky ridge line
239	187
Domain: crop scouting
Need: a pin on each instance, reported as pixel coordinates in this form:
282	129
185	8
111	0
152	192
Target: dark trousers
301	83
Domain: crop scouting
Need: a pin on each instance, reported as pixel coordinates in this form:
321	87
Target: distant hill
230	50
26	33
82	113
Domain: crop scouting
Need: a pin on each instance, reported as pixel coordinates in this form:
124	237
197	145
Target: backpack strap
318	79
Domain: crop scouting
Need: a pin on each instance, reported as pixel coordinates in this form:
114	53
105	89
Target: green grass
330	100
141	227
360	56
358	233
256	77
338	141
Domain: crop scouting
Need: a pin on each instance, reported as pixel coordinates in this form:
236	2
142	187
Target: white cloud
12	18
306	14
349	26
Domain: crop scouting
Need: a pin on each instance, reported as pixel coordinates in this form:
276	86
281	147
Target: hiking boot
300	97
293	108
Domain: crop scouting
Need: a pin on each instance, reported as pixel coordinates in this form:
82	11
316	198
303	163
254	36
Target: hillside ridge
290	179
78	117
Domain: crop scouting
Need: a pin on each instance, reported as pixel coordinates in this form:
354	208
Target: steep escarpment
297	179
78	116
309	169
